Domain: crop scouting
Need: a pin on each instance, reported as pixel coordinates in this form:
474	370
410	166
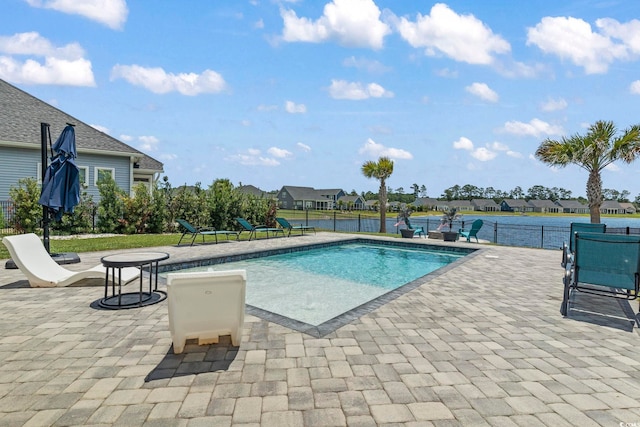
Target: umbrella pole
44	131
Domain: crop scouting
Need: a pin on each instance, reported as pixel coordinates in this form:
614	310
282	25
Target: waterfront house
544	206
304	198
628	208
461	205
351	203
612	207
426	203
485	205
573	206
99	154
515	205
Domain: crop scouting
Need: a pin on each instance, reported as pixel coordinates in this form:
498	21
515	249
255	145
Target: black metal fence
534	236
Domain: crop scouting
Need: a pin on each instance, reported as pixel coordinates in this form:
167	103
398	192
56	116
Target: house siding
17	163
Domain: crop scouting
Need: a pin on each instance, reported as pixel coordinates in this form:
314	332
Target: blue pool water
314	286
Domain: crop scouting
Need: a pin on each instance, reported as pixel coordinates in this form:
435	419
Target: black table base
132	300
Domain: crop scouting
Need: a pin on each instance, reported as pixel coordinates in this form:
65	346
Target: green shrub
111	206
27	212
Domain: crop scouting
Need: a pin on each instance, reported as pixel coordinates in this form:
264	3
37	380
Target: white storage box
205	305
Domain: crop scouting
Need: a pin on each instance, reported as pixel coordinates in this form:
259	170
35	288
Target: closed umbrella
60	180
61	184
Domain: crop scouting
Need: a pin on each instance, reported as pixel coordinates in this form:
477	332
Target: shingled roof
22	113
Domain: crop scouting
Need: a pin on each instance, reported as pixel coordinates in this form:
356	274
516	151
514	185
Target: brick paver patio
482	344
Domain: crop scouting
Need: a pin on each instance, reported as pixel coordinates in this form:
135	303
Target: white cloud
447	73
280	153
158	81
293	108
373	149
303	147
126	138
32	43
352	23
148	143
367	65
259	24
112	13
554	105
498	146
252	157
483	154
63	65
341	89
634	88
483	91
514	154
460	37
628	33
535	127
573	39
463	144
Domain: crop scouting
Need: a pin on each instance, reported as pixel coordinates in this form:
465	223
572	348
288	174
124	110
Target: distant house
515	205
351	202
485	205
427	203
461	205
628	207
305	198
612	207
544	206
99	154
573	206
254	191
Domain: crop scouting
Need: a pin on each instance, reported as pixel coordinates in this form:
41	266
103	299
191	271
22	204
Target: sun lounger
286	225
29	254
568	248
603	264
255	229
197	231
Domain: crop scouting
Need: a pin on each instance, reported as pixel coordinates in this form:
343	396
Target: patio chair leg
564	308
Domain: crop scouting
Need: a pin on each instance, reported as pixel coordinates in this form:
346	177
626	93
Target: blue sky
275	93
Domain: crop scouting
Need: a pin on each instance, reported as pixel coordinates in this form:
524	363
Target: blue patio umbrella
61	184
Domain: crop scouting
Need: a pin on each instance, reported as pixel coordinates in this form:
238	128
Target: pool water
314	286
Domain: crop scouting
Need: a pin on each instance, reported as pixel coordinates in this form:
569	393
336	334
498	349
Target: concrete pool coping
348	316
482	344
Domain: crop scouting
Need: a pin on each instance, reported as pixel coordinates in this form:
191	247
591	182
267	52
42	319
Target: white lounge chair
29	254
205	305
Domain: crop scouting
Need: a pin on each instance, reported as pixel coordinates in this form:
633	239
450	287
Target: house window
103	173
83	175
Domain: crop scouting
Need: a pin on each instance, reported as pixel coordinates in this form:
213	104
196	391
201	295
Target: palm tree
595	150
380	170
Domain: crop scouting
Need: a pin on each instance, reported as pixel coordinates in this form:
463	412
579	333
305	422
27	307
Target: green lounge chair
203	231
417	231
286	225
473	231
255	229
568	249
603	264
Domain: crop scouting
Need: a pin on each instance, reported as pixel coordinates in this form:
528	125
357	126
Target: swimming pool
316	290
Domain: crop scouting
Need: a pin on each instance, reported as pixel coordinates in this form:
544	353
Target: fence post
495	232
306	217
359	223
334	220
542	236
